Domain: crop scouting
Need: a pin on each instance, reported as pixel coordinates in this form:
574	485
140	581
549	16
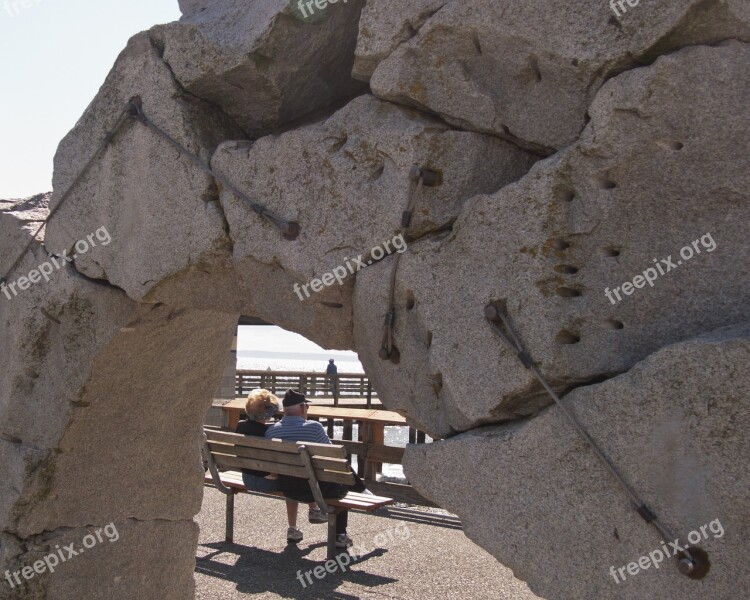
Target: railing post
361	457
369	393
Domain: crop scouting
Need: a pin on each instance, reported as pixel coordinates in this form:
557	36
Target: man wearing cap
294	427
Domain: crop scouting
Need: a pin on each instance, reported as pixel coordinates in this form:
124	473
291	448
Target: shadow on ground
286	570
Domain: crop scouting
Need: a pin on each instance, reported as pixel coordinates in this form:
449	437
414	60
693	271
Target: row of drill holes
568	195
569	337
560	245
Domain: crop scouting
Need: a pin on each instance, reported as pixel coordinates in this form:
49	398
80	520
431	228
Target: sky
55	56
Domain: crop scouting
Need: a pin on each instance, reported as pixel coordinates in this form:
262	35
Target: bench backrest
232	451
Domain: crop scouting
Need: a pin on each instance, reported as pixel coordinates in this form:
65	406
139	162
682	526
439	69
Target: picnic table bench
228	453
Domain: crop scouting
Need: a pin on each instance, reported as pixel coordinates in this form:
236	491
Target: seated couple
261	407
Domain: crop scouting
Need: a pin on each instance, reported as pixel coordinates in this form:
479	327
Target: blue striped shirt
296	429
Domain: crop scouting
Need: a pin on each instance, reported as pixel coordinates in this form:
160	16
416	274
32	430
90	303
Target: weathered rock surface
384	26
655	170
114	362
357	164
264	63
85	408
105	465
50	334
158	549
152	202
526	70
677	427
189	7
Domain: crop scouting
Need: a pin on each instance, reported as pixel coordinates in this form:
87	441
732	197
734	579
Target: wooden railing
370	448
348	385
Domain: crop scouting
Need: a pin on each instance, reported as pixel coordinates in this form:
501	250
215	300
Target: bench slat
250	441
353	500
354	505
368	498
232	462
330	464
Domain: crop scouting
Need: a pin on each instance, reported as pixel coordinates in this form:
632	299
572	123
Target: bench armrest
314	485
208	457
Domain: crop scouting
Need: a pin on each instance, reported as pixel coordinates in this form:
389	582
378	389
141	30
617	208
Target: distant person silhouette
332	372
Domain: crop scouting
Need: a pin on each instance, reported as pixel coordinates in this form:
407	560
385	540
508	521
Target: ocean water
246	361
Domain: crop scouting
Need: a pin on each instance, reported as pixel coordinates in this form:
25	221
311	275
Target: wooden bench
227	453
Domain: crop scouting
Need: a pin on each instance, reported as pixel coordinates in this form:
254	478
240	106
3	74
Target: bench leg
332	535
230	519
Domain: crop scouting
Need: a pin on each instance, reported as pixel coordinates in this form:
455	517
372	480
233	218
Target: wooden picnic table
372	430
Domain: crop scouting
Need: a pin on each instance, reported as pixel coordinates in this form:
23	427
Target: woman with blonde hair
260	408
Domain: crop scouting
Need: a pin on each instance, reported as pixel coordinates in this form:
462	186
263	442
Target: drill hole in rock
566	269
410	300
437	383
568	337
566	292
565	195
611	252
671	145
615	324
394	356
560	245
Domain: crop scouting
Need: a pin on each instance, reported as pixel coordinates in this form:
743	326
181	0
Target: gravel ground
407	554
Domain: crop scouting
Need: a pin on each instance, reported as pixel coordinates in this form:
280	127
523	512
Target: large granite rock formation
114	361
677	427
84	410
525	70
649	176
153	204
263	62
357	163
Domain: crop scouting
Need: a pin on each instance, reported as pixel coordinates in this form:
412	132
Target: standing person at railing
332	372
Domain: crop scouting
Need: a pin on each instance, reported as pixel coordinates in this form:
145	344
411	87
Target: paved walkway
407	554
